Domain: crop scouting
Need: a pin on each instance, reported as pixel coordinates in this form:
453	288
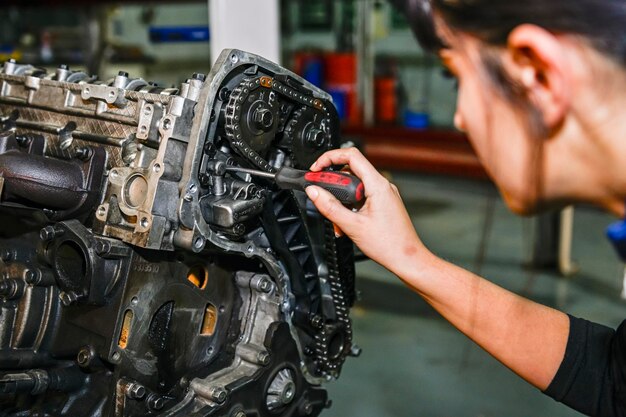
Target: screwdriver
346	188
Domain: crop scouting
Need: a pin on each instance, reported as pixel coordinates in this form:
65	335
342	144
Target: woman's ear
538	63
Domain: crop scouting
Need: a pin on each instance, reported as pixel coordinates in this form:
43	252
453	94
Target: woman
542	96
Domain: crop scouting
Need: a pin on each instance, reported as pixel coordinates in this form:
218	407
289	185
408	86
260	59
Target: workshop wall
131	24
172	61
421	86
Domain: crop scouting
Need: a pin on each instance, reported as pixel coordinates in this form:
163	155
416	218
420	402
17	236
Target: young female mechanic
542	96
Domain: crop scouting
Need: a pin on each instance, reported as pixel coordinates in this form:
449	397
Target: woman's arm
527	337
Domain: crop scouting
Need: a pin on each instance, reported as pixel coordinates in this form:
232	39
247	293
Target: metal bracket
109	95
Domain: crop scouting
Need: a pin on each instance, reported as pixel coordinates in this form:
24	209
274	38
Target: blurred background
323	40
397	105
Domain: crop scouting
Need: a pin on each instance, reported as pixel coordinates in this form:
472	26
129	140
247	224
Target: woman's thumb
328	205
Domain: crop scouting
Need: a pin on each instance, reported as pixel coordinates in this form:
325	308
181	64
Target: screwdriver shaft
254	172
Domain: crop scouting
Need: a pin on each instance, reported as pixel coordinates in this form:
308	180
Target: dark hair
602	22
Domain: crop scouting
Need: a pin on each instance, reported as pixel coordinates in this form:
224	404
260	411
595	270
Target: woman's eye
449	75
446	73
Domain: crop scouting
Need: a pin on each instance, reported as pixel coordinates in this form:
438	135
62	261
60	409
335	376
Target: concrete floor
413	362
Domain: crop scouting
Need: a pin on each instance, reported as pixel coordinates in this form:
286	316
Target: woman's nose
459	121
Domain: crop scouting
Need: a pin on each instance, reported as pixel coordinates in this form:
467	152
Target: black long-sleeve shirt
592	376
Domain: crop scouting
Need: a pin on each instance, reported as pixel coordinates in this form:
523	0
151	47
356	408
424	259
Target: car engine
140	273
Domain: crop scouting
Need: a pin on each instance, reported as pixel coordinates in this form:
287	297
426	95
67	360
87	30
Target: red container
340	74
385	89
340	68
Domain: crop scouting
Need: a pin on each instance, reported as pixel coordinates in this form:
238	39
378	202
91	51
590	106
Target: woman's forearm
527	337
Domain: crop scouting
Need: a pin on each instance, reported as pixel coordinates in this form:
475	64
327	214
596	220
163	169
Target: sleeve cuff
566	375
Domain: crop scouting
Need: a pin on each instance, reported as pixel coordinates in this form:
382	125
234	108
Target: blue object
167	34
314	72
416	120
617	235
340	100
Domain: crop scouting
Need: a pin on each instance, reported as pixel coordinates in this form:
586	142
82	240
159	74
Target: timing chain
233	113
327	365
331	365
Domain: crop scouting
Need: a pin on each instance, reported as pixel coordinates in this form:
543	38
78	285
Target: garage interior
397	105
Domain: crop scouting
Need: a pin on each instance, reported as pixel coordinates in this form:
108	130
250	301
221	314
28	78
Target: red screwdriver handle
345	187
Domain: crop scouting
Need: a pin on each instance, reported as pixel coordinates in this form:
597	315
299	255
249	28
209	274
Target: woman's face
494	126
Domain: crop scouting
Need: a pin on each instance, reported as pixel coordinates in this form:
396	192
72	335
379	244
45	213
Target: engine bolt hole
198	243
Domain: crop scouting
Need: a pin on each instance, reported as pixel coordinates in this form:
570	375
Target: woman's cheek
514	180
500	147
470	116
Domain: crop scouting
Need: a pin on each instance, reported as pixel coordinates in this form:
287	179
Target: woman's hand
382	228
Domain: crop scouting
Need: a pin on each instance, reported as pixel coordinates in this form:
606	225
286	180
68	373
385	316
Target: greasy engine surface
139	275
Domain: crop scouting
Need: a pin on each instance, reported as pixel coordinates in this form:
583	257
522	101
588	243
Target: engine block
141	276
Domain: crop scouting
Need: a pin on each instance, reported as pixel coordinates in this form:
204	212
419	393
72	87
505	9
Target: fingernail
312	193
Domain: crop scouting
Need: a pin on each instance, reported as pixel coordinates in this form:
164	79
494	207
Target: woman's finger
358	164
